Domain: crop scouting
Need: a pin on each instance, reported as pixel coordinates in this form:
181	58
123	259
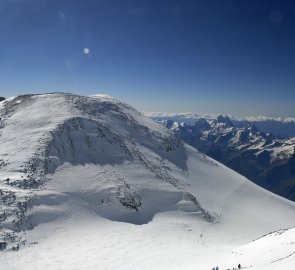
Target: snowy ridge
92	174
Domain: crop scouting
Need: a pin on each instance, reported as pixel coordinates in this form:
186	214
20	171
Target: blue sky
211	56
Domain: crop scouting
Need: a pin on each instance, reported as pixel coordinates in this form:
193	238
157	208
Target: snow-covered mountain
90	183
262	157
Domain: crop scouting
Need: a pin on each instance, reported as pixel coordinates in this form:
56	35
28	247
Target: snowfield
90	183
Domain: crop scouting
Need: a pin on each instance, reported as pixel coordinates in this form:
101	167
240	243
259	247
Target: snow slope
90	183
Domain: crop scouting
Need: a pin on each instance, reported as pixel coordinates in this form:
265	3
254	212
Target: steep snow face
92	174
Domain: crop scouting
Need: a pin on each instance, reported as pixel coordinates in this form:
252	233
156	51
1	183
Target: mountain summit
90	182
224	120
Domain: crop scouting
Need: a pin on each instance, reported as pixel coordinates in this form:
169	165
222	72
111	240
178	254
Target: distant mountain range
282	127
266	159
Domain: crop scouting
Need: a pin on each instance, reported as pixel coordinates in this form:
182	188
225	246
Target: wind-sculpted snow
89	175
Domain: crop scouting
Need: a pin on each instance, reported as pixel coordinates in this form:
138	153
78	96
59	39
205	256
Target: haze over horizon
221	57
